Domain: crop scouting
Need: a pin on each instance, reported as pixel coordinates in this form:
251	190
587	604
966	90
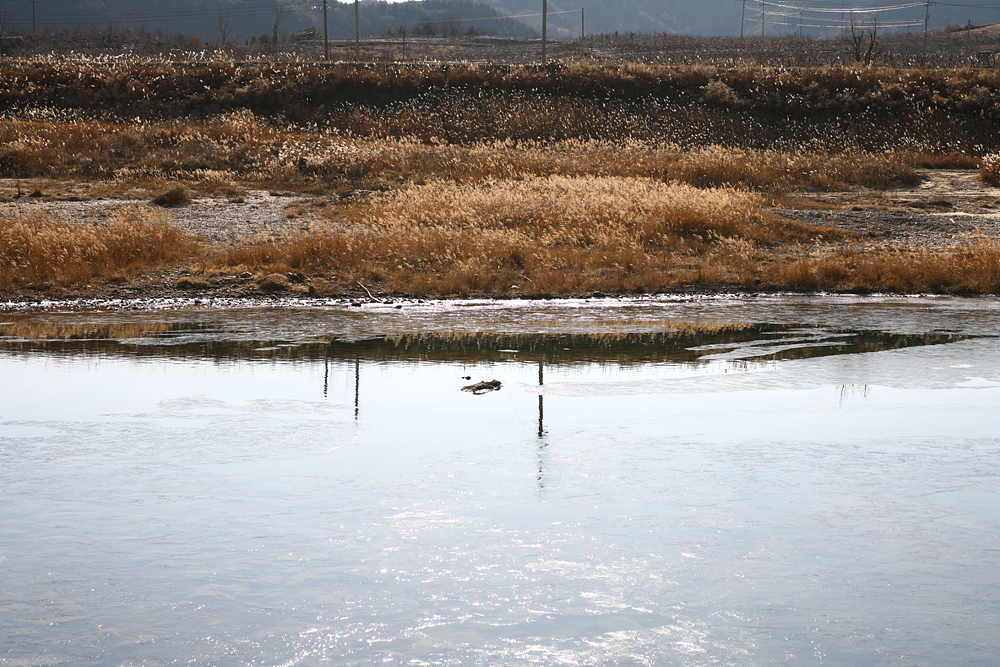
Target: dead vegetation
742	105
40	252
990	171
229	153
498	181
173	198
537	235
573	235
970	266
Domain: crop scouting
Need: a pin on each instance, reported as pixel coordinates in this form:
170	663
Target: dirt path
945	207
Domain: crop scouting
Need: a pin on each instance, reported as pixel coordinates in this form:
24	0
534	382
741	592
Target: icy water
718	481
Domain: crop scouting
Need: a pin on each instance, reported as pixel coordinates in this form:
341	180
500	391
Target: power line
842	10
152	16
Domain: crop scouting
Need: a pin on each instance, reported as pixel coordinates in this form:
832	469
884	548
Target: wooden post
357	33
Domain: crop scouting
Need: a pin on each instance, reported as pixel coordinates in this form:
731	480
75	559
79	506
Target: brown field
483	180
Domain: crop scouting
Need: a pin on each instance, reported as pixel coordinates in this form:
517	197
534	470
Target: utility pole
545	13
357	33
763	17
32	18
743	16
583	25
326	37
927	20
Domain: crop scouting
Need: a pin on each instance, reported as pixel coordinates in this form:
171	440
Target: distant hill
239	20
243	19
724	17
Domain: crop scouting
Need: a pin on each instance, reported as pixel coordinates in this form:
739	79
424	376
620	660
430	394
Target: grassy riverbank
492	181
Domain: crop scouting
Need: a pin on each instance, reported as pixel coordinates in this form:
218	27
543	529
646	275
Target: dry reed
989	172
573	235
41	251
238	150
537	235
969	266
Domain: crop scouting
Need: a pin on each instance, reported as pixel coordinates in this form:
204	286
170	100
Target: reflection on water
800	481
680	343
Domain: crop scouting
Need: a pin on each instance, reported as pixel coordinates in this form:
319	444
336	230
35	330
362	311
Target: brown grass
231	152
573	235
537	235
497	180
173	198
40	251
989	172
970	266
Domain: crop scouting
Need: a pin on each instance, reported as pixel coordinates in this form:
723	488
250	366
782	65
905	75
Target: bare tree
279	16
6	33
864	43
224	29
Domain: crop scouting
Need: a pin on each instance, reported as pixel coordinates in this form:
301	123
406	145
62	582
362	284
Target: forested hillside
240	20
728	17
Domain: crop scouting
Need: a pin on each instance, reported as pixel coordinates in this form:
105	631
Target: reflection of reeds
40	250
681	342
490	341
29	329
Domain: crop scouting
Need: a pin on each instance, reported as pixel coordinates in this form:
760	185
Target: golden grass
552	234
240	149
504	193
560	235
969	266
39	251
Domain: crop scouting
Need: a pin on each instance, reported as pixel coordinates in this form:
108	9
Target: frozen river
717	481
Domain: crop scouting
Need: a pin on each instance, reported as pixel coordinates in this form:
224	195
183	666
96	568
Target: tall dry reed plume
40	250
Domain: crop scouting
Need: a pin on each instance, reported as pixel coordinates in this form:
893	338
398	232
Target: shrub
173	198
989	172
